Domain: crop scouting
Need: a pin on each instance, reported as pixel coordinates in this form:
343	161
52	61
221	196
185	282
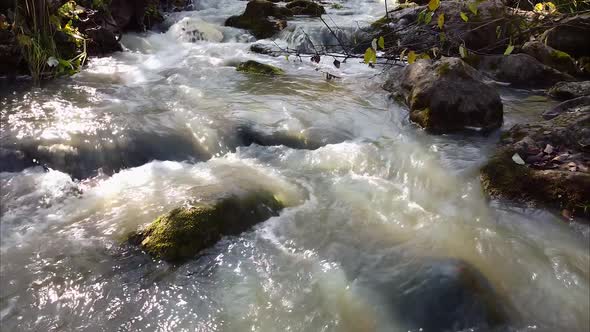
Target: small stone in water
548	149
517	159
572	166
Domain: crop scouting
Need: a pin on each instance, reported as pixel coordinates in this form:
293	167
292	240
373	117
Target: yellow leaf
402	54
472	7
509	49
412	57
433	5
381	42
368	55
428	18
441	21
463	51
464	17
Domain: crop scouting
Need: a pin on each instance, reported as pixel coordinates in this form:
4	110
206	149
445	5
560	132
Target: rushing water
145	130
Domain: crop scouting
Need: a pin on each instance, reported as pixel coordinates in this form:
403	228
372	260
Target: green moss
421	117
560	56
502	177
380	23
255	67
473	60
336	6
443	69
184	231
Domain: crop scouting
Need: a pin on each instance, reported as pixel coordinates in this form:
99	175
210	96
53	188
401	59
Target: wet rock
263	18
129	15
308	140
438	295
191	29
558	175
447	95
521	70
576	105
571	35
570	90
255	67
306	7
264	49
551	57
184	231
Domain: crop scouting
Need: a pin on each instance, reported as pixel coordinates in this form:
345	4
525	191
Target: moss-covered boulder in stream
446	95
255	67
306	7
545	162
183	232
262	18
551	57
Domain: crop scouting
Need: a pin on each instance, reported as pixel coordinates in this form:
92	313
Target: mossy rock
185	231
255	67
539	181
306	7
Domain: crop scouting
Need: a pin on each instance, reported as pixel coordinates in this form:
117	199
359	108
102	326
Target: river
142	131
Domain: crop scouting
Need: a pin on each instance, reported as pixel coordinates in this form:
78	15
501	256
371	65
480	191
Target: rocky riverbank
546	162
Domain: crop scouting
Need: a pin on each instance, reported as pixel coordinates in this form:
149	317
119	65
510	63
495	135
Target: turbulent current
383	220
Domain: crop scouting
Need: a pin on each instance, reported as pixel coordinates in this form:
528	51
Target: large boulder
570	90
545	162
306	7
183	232
447	95
520	70
571	35
262	18
551	57
437	294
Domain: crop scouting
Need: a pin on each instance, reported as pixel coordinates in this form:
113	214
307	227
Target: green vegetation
37	29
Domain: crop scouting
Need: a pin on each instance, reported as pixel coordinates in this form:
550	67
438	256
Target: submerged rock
570	90
521	70
255	67
447	95
86	156
438	295
184	231
545	162
308	140
551	57
263	18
